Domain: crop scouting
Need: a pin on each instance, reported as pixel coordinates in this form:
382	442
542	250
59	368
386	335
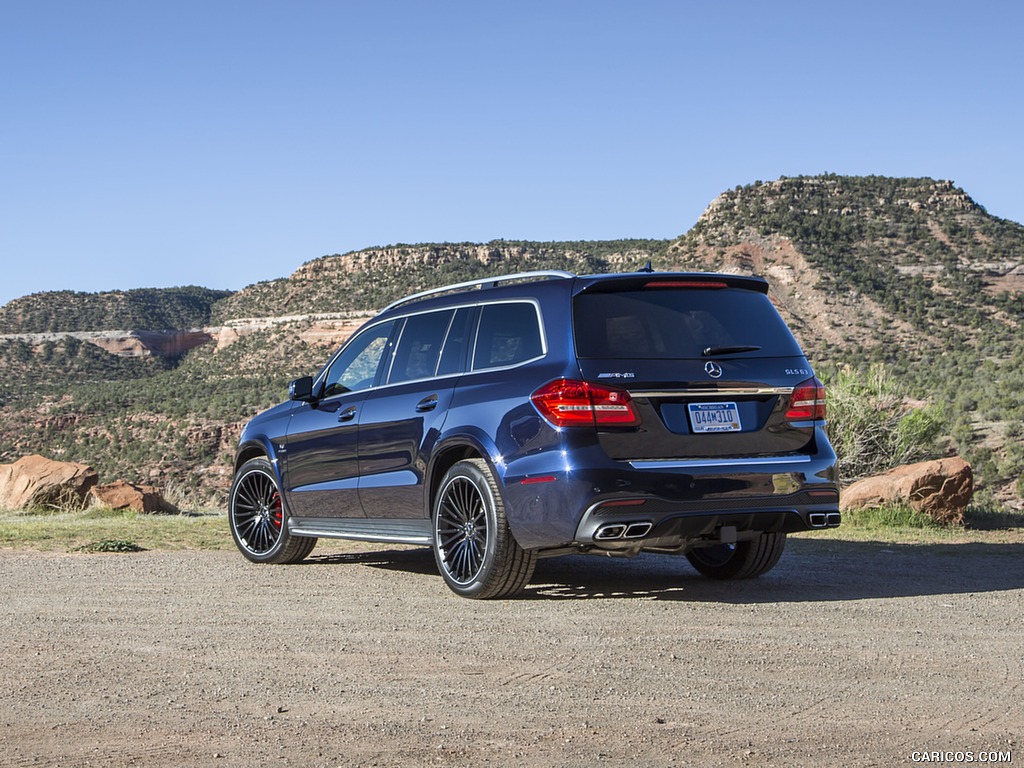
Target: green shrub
874	427
110	545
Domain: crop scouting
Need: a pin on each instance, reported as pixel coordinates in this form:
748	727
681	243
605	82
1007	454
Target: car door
321	451
402	419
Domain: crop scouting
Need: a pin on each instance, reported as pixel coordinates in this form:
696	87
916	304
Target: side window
508	334
356	367
420	346
453	356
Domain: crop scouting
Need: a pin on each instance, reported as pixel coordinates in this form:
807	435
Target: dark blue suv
541	414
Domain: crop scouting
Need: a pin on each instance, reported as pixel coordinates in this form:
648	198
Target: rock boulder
35	482
122	495
941	489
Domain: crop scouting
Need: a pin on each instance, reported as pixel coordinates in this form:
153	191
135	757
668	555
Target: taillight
570	403
808	401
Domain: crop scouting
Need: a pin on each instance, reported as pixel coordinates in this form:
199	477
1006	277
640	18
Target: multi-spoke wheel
474	548
258	519
741	560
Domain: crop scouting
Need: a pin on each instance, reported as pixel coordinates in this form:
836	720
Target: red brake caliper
276	515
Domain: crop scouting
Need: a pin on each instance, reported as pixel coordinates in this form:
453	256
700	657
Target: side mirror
301	390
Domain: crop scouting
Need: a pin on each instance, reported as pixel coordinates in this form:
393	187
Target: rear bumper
661	524
589	500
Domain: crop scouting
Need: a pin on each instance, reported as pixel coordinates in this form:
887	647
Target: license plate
714	417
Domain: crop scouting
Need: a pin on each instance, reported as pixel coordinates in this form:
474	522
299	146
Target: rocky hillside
911	273
871	265
372	278
143	309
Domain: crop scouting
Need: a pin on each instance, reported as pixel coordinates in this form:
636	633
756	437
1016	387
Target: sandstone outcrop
168	344
941	489
35	482
123	495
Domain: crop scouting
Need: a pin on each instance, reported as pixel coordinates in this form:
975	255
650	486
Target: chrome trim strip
711	462
469	369
707	392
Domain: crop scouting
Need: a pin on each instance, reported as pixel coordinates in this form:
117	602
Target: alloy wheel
462	530
256	512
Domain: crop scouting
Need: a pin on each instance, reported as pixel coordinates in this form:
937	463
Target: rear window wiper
715	351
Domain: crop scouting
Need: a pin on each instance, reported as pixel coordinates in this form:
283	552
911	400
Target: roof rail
484	282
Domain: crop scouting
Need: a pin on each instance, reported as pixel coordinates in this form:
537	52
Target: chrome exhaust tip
608	532
614	531
637	530
824	519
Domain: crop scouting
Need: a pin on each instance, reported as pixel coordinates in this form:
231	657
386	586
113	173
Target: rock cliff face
323	329
167	344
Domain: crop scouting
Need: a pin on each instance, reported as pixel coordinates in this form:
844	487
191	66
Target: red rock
122	495
941	489
35	482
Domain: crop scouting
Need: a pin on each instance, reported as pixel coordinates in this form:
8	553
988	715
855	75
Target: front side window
508	334
356	367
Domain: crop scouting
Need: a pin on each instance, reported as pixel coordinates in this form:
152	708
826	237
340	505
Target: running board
398	531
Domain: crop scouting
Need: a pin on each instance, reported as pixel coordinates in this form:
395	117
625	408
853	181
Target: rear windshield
678	323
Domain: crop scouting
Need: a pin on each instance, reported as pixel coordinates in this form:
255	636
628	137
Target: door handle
426	404
348	414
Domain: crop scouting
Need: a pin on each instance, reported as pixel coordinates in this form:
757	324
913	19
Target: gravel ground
845	654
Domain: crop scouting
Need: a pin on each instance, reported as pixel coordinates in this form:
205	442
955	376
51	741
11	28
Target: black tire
474	548
742	560
259	520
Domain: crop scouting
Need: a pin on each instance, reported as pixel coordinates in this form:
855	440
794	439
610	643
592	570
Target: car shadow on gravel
810	571
414	560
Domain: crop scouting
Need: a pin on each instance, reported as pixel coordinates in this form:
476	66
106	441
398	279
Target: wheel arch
254	449
448	453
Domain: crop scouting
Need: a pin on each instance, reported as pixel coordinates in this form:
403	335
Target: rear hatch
711	367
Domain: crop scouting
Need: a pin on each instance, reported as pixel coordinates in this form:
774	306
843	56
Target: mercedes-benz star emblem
713	369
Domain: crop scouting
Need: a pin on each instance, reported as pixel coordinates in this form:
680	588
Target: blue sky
219	143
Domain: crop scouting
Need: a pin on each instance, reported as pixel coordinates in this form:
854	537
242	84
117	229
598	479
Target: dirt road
846	654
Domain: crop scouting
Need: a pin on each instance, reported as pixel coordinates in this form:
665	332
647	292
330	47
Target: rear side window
678	324
419	347
507	334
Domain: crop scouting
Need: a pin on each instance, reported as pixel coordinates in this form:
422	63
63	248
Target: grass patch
900	524
894	516
65	531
